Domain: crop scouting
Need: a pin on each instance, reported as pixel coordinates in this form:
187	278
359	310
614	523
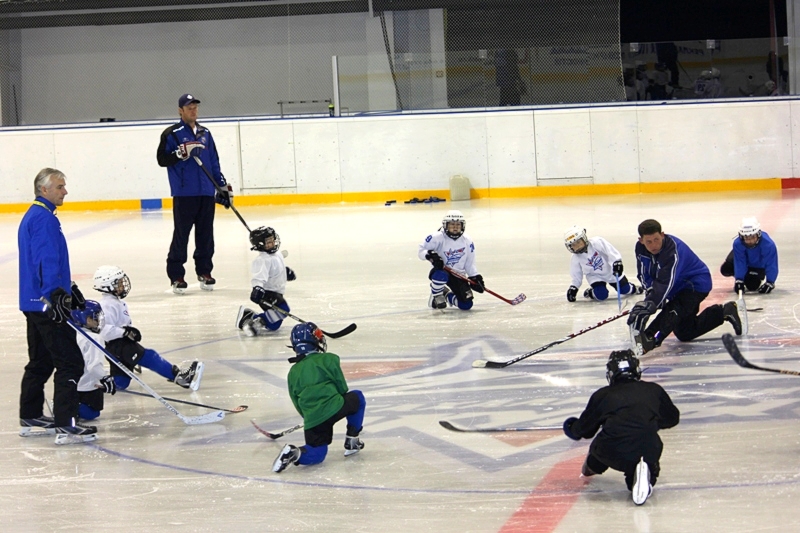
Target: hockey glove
224	196
640	314
184	150
265	298
616	268
568	428
766	288
477	283
290	275
109	387
60	306
131	333
435	259
739	286
78	301
572	293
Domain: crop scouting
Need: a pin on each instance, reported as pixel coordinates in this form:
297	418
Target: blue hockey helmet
308	338
622	365
92	311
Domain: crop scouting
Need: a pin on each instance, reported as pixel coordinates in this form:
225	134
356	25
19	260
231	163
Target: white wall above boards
22	156
268	159
563	147
316	151
510	150
615	146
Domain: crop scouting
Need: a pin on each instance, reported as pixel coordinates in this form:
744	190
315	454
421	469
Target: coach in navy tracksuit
676	281
44	272
193	193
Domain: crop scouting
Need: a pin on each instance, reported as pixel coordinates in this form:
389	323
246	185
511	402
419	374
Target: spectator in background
667	53
506	64
782	79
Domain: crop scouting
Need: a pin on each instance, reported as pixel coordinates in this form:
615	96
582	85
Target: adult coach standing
44	273
193	194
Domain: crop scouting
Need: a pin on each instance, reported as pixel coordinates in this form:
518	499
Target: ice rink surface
729	466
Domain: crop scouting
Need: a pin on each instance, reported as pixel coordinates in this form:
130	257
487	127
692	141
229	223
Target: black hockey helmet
622	364
259	236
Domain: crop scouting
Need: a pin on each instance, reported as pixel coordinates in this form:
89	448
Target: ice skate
289	455
730	313
75	434
206	282
352	445
439	301
36	427
641	483
179	286
189	378
244	321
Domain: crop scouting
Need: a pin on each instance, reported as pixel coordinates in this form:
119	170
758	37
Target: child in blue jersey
676	281
753	259
319	393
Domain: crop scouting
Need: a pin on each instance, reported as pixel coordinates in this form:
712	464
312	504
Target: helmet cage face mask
112	280
259	237
454	216
575	240
750	228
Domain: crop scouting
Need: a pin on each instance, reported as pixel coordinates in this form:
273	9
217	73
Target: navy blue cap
187	99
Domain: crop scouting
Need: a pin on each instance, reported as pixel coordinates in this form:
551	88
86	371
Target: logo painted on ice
454	256
596	262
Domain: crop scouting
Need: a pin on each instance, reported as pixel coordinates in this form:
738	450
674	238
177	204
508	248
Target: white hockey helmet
454	216
572	236
750	227
107	278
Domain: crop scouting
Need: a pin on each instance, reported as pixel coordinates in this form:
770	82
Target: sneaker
75	434
206	282
244	321
289	455
32	427
179	286
730	312
189	378
641	483
352	445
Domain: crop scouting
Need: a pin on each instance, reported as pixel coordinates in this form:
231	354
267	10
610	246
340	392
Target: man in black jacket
630	412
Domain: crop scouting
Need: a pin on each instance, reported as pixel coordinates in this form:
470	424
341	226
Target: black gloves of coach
109	387
616	268
572	293
766	288
290	275
224	195
568	428
477	283
640	314
132	333
60	306
435	259
78	301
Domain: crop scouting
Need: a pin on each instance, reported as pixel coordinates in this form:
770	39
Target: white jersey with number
595	263
93	358
116	317
458	254
268	271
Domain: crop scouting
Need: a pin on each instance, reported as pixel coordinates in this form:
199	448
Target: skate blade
198	375
206	287
63	439
36	432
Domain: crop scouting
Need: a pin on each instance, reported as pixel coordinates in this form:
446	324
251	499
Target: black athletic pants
188	211
753	277
51	347
679	316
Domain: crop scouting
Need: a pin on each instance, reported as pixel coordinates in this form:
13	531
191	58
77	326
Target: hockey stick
237	409
518	300
480	363
274	436
189	420
452	427
742	307
619	295
733	350
333	335
221	191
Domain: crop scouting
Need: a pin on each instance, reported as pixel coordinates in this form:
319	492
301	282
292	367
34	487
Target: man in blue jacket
676	281
193	193
47	296
753	259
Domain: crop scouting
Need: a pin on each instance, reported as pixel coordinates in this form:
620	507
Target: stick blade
519	299
341	333
447	425
734	352
479	363
208	418
238	409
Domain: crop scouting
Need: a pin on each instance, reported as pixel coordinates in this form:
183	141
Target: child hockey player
753	259
600	262
630	413
319	393
451	247
94	381
269	276
122	339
